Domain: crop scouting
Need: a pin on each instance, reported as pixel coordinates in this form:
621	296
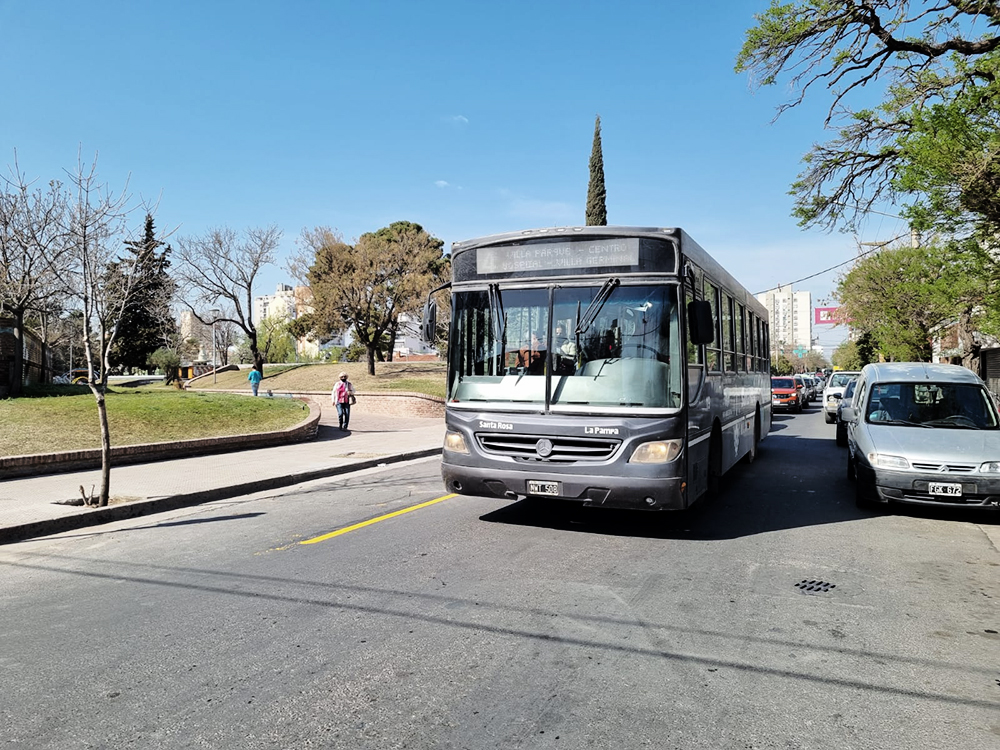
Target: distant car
923	433
77	376
803	385
834	391
841	425
785	394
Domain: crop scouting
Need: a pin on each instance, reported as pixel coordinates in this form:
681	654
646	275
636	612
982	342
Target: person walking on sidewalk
254	377
342	397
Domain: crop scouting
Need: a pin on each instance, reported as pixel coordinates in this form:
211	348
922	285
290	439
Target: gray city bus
612	366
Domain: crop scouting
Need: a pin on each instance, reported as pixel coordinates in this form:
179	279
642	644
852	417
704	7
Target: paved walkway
28	505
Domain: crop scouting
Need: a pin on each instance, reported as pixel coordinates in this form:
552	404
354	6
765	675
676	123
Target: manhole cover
814	587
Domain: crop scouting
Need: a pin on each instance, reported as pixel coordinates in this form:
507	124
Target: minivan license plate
938	488
544	488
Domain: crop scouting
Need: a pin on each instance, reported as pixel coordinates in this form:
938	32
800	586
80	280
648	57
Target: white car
834	391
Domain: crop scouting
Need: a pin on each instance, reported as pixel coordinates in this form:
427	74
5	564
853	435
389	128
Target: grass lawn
418	377
43	423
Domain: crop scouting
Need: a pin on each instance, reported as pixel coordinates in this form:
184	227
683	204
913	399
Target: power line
878	247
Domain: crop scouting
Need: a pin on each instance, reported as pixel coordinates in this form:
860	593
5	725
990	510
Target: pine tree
147	324
597	211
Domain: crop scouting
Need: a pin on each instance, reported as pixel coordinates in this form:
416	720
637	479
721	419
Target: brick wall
399	403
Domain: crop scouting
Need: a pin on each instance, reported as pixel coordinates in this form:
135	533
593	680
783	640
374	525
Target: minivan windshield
840	379
951	405
614	345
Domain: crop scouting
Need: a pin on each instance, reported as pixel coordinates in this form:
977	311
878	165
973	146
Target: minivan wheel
830	418
841	434
851	473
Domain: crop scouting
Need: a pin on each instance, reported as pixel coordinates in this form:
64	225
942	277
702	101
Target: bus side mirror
428	326
700	326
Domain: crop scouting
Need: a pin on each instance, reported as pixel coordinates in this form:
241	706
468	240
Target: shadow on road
795	482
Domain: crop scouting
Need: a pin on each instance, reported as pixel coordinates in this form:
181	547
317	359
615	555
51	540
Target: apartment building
791	319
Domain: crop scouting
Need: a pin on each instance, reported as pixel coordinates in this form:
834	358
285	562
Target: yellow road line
369	522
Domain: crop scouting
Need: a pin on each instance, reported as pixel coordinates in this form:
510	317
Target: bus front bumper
632	492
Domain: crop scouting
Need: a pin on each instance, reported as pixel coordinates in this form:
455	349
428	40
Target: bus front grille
547	448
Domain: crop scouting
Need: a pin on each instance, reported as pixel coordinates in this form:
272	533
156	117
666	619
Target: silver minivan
923	433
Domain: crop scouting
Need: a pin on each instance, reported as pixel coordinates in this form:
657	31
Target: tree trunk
968	345
102	413
371	359
393	329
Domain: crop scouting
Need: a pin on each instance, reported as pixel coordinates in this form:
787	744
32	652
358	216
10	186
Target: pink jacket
342	391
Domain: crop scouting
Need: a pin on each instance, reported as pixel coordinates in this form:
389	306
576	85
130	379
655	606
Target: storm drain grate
815	587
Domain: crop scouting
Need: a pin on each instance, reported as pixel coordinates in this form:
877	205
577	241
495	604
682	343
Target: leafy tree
781	365
148	323
597	211
854	354
366	286
926	55
223	265
277	342
899	296
166	359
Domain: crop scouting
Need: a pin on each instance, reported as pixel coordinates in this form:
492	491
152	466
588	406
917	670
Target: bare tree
104	285
223	266
31	248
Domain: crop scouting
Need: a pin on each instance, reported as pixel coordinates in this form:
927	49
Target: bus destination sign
557	256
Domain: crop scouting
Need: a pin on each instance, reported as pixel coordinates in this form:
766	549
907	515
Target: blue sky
467	118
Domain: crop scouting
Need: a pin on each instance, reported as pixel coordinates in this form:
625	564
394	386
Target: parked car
834	391
841	425
785	394
801	384
923	433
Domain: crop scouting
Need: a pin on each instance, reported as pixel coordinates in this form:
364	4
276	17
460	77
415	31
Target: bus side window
729	333
713	353
741	339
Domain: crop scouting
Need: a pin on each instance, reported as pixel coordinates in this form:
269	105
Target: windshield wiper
595	307
499	324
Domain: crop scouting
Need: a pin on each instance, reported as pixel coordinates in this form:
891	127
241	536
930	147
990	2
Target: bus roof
688	246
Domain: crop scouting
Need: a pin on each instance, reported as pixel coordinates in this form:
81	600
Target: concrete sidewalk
28	505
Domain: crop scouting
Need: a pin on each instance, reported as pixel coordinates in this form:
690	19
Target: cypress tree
147	323
597	210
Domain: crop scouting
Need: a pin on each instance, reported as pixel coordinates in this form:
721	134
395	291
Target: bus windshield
604	346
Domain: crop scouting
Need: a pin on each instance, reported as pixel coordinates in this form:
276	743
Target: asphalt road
480	623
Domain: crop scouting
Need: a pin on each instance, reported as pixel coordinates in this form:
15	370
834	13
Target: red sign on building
829	316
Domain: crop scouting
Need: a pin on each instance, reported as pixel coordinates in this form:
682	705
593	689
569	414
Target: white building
790	315
286	304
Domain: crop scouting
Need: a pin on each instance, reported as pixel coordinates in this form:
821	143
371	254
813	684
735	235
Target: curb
172	502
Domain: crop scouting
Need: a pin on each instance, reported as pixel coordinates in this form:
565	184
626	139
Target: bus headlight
454	442
656	452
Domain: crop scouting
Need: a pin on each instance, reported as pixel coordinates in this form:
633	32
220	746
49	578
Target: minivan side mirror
837	396
847	413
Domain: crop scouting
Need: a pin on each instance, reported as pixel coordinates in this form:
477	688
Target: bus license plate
544	488
951	490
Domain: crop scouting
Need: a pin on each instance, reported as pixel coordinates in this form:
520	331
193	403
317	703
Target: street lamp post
215	365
